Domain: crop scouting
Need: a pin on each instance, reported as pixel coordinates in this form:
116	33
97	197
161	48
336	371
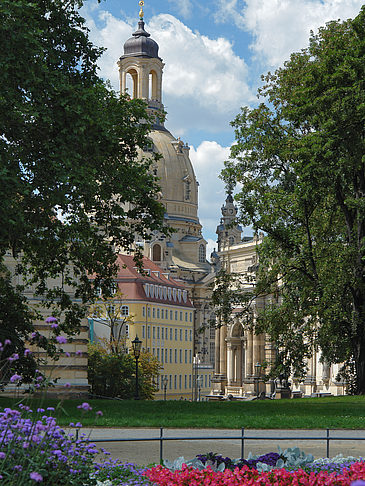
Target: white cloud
184	7
208	161
281	27
203	78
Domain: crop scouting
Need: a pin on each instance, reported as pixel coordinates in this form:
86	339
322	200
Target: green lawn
310	413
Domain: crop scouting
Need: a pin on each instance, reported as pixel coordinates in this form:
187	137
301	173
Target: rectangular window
158	353
143	332
180	355
175	334
166	356
124	310
170	382
210	381
175	315
170	315
170	333
191	317
127	330
144	311
180	382
186	317
154	332
186	355
149	332
175	355
205	379
175	381
162	313
181	316
185	381
186	334
158	332
170	355
190	335
166	333
149	312
181	334
153	351
153	312
158	313
162	356
190	353
189	381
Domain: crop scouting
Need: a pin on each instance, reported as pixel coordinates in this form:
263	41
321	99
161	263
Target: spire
141	13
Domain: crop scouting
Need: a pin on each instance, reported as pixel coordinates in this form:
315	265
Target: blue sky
214	54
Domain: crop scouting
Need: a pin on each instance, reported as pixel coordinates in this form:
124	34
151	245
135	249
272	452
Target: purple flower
99	413
51	319
67	354
36	476
51	409
7	341
78	353
14	357
2	455
67	385
85	406
54	325
27	352
15	378
61	339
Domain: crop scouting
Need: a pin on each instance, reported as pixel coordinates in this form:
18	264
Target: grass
311	413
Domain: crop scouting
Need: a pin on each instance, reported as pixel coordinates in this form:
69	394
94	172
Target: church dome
140	45
179	187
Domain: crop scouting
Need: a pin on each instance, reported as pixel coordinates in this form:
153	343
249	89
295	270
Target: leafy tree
110	311
300	159
113	374
73	187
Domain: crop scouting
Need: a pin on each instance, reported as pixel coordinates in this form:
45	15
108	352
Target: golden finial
141	13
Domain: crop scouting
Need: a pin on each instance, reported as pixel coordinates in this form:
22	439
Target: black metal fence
242	438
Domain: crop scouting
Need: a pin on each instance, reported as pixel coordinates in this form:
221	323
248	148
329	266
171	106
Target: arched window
156	253
152	89
132	83
202	254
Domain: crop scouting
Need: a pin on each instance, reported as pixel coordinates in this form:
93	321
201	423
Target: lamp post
164	384
136	346
257	377
199	383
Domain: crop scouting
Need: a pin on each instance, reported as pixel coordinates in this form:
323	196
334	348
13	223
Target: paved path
147	452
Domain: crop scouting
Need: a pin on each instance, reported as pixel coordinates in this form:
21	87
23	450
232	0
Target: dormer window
202	254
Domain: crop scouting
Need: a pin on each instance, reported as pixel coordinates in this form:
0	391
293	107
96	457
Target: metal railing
242	438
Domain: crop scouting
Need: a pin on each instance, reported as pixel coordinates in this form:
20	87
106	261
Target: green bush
113	374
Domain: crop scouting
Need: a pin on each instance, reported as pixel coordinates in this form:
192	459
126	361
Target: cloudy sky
214	53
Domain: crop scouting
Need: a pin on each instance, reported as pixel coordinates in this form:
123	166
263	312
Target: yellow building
162	316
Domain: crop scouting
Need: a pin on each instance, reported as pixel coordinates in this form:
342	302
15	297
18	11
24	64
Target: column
217	351
222	349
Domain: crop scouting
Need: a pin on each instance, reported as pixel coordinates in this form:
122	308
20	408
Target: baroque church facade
182	254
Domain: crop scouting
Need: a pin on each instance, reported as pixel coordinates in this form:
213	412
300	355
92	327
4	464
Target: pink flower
61	339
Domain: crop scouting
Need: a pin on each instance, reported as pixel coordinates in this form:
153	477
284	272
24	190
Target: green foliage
300	159
113	374
74	188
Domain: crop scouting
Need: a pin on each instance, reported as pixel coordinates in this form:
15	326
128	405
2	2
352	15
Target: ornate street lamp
199	383
164	380
257	377
136	346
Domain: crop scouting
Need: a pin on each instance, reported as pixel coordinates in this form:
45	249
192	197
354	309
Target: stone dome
179	187
140	45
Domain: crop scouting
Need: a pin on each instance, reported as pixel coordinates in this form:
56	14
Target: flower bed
189	476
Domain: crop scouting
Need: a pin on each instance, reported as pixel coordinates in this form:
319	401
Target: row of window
173	355
175	382
166	333
166	314
160	292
